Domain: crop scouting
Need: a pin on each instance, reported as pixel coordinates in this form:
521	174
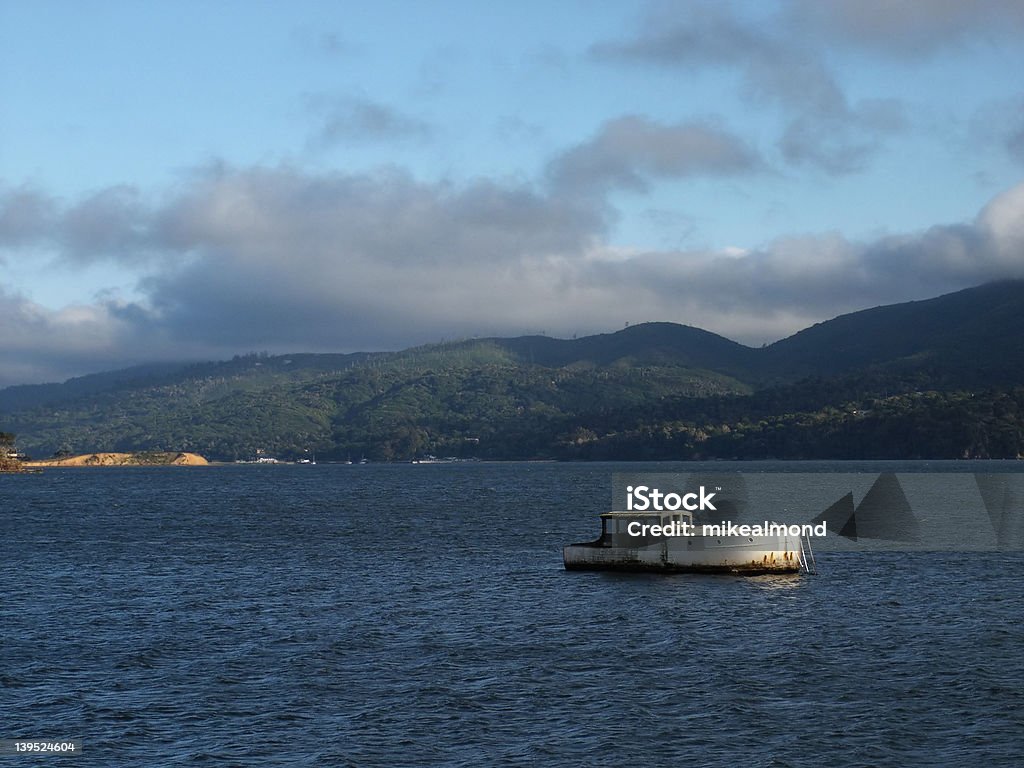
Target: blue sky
194	180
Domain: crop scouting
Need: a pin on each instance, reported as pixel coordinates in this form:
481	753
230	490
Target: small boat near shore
670	542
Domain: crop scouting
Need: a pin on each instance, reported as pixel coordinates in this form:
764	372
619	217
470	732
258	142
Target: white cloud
909	27
629	151
1002	220
351	119
26	215
779	66
39	344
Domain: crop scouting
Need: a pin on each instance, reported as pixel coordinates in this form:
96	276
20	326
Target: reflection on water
782	581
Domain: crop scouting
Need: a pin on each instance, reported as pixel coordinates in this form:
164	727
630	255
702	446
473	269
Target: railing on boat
807	555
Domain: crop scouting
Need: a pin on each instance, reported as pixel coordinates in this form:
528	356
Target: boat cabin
635	529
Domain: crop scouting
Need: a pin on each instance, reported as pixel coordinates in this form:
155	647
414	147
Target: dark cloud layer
280	260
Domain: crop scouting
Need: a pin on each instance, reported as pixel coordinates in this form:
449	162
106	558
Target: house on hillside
8	450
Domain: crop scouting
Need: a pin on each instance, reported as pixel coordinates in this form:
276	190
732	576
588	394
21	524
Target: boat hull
693	554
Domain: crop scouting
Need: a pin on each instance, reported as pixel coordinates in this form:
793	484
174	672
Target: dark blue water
420	615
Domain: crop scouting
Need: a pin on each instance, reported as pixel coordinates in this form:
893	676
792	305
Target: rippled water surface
420	615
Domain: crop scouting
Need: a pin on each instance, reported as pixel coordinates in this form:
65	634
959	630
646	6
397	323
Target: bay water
382	615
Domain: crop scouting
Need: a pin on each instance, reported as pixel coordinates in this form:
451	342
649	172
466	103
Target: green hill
942	378
975	336
465	399
647	344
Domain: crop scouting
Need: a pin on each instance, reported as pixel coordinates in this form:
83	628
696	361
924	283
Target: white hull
700	554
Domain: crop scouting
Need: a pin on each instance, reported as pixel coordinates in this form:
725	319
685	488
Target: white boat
671	542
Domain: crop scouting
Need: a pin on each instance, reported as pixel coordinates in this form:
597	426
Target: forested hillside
942	378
